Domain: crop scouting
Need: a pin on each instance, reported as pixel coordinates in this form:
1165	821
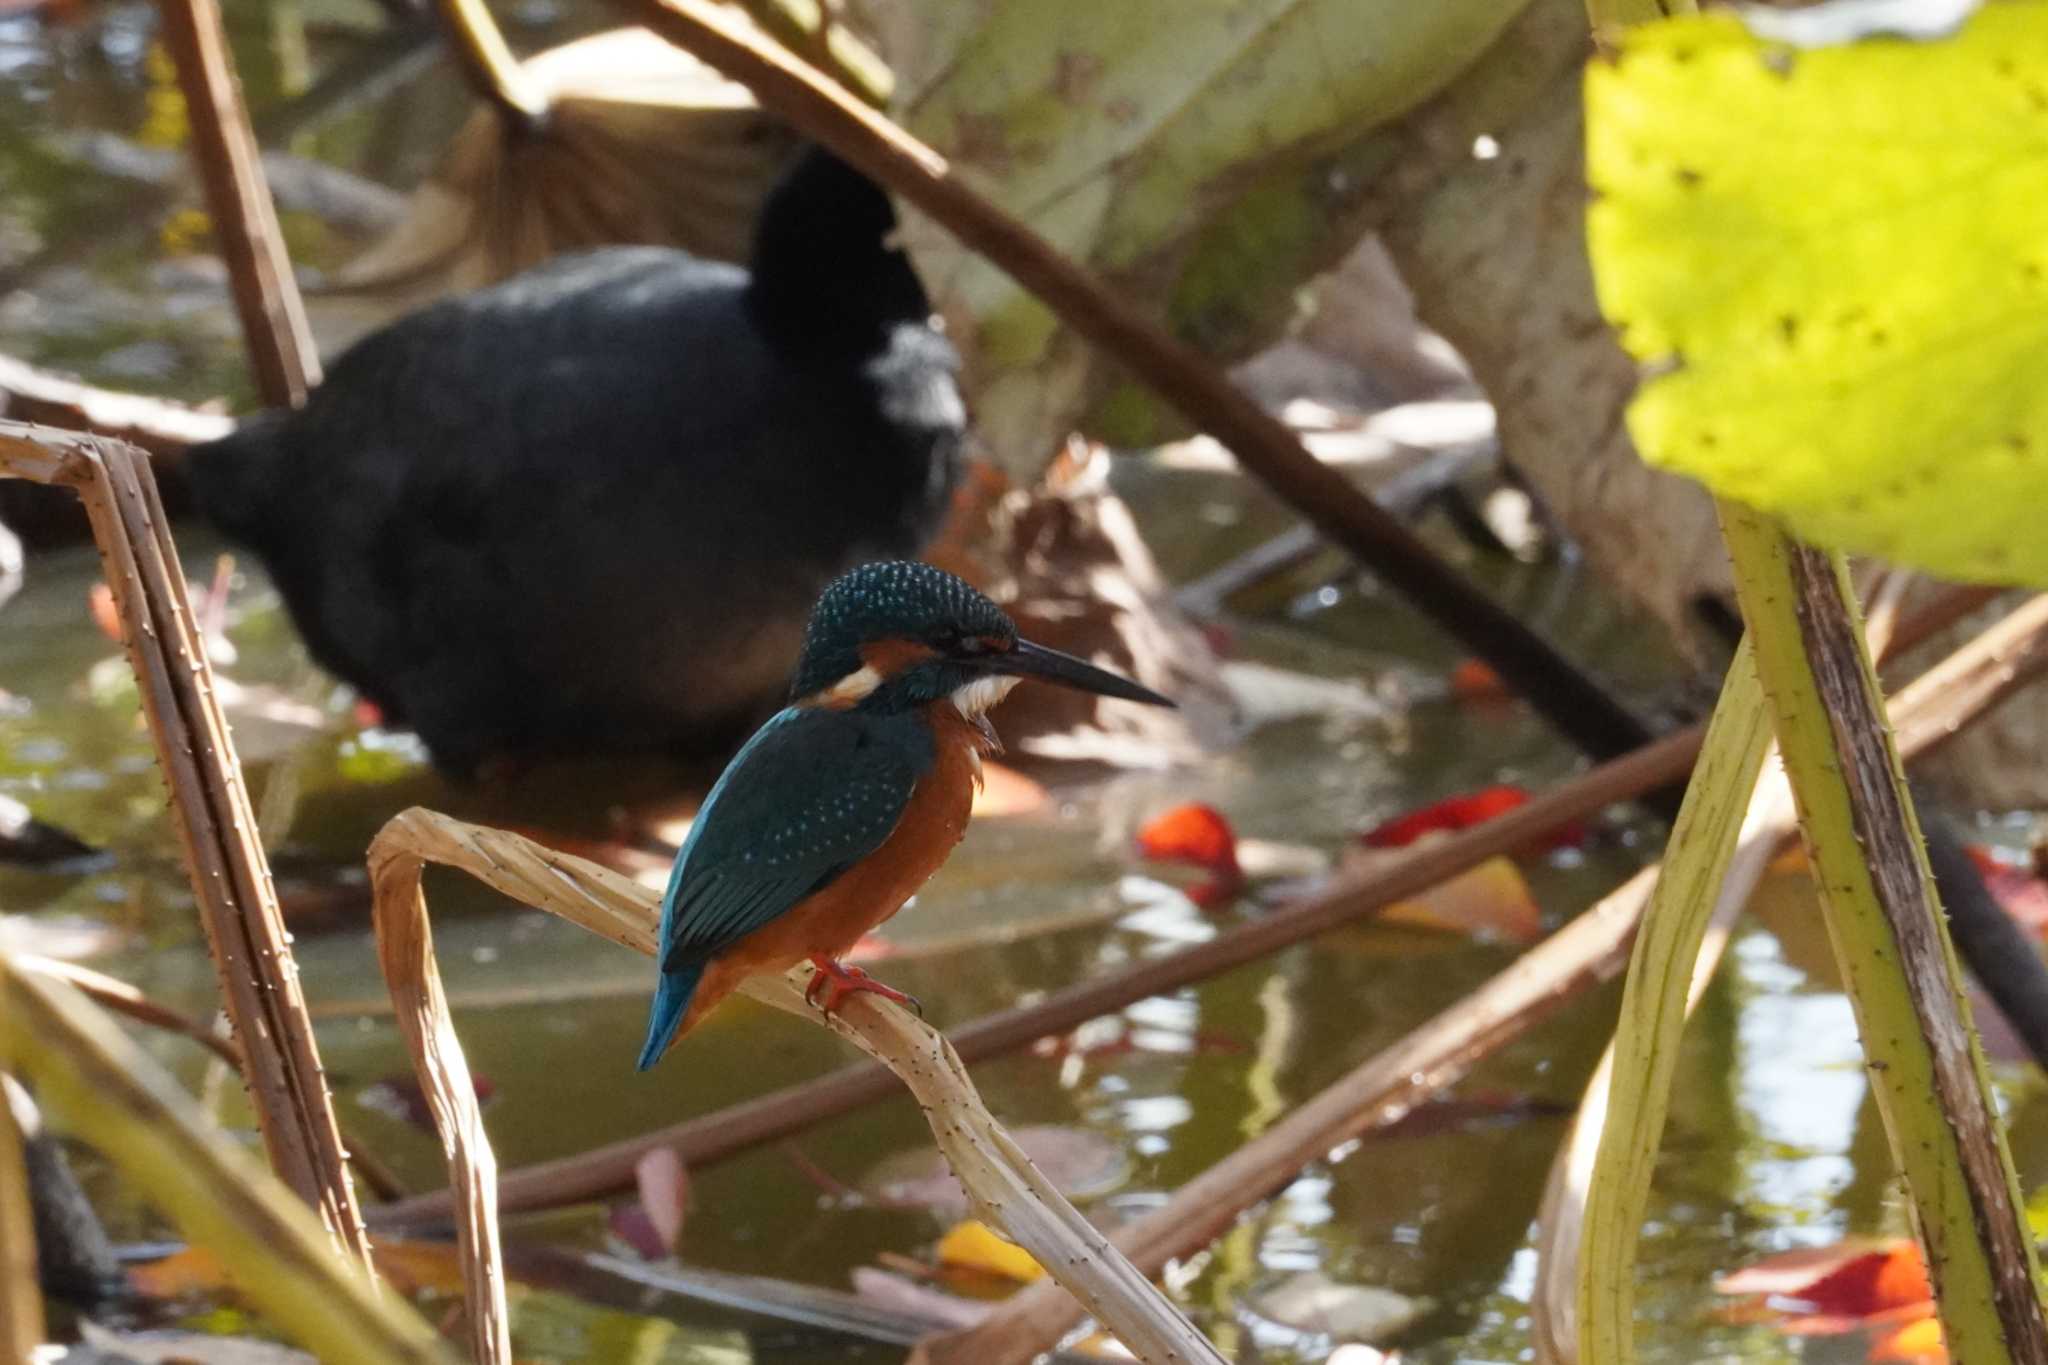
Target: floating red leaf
1198	836
1463	811
1475	680
1824	1291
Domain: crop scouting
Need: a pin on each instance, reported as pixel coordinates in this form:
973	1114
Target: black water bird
587	510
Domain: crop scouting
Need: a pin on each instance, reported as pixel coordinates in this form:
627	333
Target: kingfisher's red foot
835	981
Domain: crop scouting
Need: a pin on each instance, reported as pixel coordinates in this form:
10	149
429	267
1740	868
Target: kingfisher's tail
671	1002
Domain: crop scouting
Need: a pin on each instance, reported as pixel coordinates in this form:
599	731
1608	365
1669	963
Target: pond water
1772	1142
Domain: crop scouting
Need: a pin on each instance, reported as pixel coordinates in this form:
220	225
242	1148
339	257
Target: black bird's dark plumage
588	509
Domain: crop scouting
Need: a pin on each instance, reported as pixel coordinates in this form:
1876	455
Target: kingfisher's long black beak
1036	661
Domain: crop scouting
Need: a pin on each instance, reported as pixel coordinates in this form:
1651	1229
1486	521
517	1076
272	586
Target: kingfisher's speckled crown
893	600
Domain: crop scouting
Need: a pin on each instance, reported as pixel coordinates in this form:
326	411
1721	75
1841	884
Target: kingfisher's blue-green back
813	793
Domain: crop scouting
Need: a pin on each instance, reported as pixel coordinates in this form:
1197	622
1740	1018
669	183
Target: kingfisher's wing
812	793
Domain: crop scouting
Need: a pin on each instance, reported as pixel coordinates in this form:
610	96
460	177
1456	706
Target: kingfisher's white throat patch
853	687
973	700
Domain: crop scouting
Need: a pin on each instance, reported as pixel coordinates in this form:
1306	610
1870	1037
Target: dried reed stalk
1593	948
273	317
119	1100
1007	1190
21	1297
210	809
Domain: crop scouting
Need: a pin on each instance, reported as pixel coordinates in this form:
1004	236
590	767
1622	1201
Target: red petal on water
1463	811
1475	680
1198	836
1841	1286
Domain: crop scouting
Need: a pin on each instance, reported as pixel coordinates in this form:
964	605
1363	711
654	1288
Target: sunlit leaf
1832	262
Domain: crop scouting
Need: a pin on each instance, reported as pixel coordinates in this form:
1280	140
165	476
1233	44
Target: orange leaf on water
415	1267
183	1273
1198	836
1490	899
972	1246
1917	1343
1475	680
1843	1287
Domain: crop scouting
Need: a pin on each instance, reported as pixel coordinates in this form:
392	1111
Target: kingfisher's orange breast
829	923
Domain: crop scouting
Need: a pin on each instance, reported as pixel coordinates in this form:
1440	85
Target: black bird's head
898	635
827	270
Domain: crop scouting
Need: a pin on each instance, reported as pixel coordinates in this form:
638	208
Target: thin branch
210	807
281	351
120	997
158	425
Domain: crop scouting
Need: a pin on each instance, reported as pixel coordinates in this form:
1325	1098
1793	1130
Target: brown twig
158	425
120	997
788	86
210	808
1592	948
273	317
1006	1188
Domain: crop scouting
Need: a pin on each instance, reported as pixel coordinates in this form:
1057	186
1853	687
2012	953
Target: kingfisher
839	808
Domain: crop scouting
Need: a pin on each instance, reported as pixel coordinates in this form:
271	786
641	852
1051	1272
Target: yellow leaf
1831	262
972	1246
1490	899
